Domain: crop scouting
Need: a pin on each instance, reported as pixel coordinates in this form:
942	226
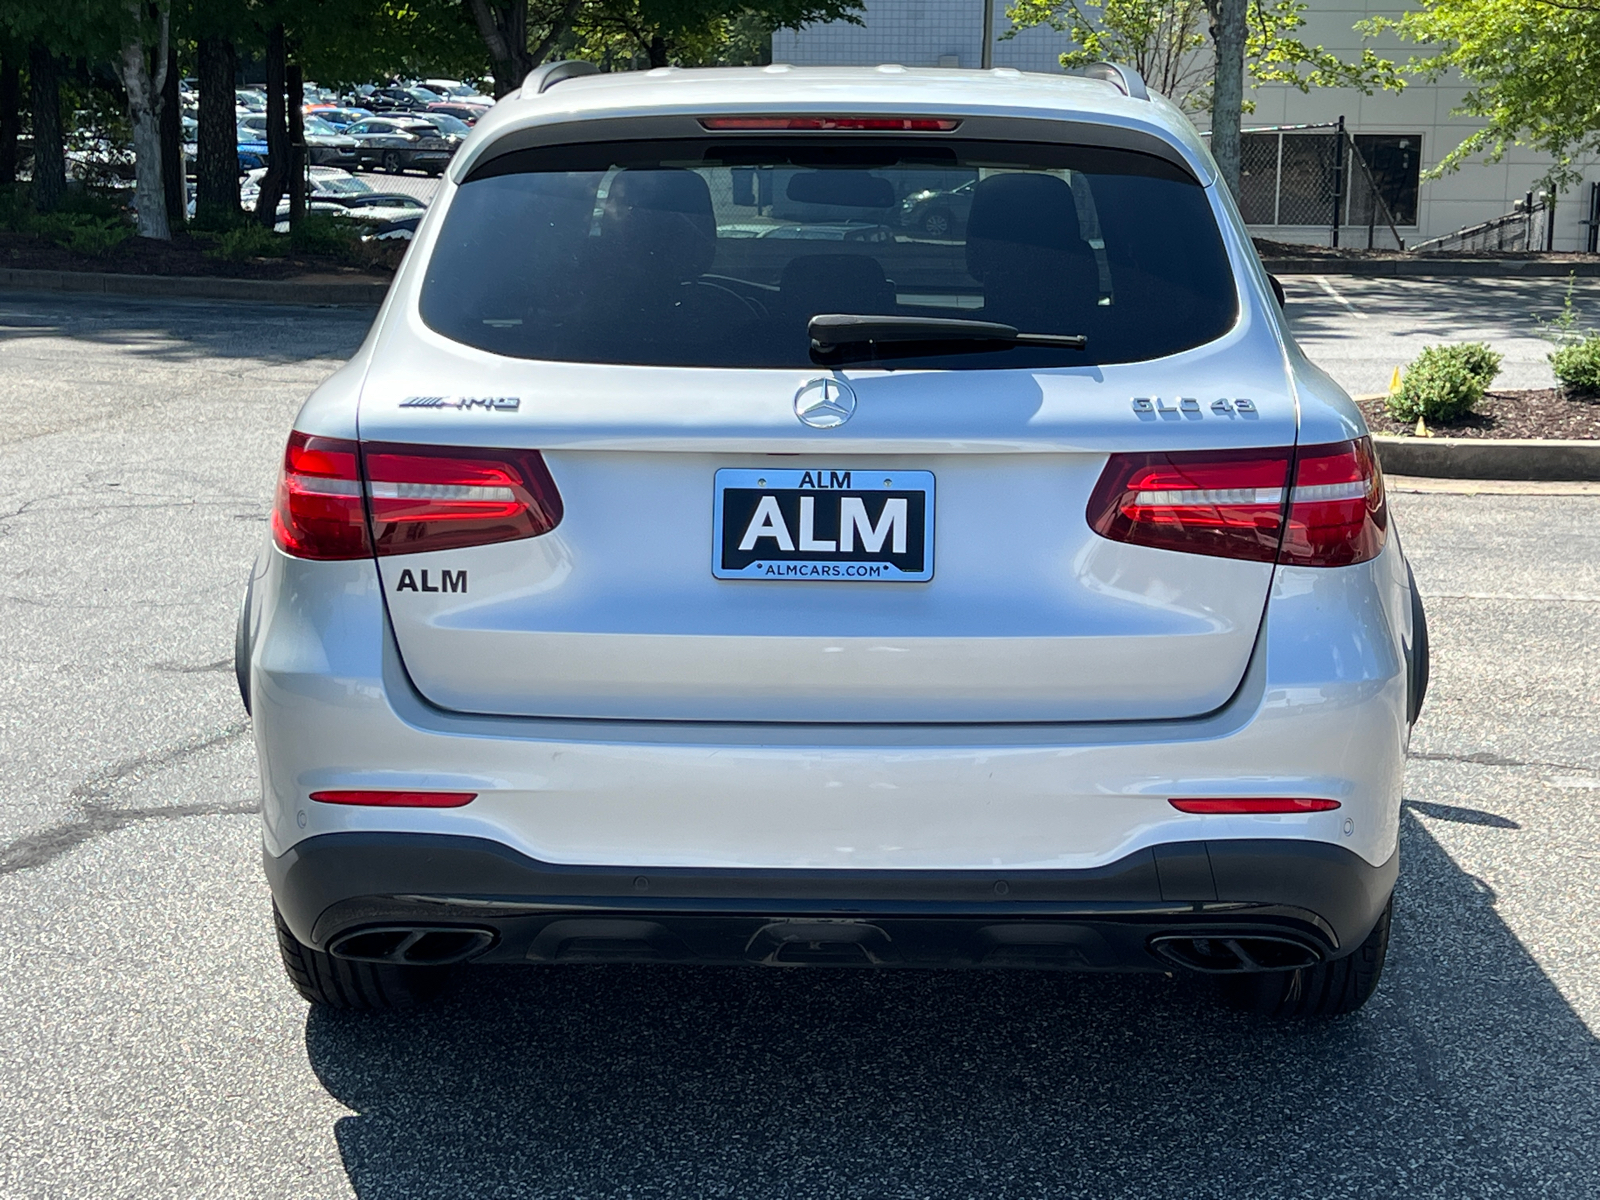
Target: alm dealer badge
854	526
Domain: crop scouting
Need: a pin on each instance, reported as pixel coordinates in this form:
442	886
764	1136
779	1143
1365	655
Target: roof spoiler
542	79
1125	79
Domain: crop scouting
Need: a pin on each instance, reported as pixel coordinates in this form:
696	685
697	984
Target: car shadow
1467	1075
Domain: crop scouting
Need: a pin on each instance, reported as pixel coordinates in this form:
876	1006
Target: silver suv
698	564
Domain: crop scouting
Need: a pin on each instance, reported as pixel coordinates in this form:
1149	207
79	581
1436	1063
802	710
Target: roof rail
542	79
1128	81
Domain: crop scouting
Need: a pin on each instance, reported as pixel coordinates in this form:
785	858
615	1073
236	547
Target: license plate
853	525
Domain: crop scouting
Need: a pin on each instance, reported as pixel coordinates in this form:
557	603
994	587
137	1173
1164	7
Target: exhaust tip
412	945
1228	954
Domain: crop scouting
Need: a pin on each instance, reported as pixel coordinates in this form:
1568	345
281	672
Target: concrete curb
1487	268
1490	458
352	293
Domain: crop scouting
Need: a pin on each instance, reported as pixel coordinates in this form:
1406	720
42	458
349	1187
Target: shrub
1480	360
1444	384
15	211
326	234
82	233
1578	366
249	239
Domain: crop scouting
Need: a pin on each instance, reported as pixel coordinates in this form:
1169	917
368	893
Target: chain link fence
1321	175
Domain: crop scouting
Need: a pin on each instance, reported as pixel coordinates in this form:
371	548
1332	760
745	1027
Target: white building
1286	193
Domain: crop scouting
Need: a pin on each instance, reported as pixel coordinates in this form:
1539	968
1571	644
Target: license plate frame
738	510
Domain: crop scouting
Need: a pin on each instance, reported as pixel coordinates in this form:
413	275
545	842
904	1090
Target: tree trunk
173	176
144	112
1227	94
272	183
216	201
295	85
658	51
503	26
49	153
10	112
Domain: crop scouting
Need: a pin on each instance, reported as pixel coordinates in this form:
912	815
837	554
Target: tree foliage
1169	43
1533	67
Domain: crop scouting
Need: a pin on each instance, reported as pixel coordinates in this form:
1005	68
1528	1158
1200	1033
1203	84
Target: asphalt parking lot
150	1046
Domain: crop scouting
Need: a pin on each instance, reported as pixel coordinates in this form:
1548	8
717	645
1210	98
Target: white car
1017	599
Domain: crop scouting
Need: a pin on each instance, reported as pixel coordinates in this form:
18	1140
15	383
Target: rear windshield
717	253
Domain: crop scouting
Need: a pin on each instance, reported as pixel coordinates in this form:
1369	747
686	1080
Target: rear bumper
1102	918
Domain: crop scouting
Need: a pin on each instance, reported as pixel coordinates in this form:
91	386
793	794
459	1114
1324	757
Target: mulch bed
183	255
1530	413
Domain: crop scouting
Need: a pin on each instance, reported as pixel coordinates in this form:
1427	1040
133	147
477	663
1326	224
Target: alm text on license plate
799	523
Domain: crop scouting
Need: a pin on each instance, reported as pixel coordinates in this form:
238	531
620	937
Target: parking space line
1322	281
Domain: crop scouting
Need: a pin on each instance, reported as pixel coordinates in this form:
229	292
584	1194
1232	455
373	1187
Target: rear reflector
1231	504
445	497
317	513
1253	804
829	124
381	799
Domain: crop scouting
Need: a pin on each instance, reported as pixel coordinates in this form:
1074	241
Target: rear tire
362	987
1330	989
391	163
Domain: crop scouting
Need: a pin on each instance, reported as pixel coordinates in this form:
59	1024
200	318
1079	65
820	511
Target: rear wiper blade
832	333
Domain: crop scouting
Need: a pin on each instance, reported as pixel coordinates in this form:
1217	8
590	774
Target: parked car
325	145
444	122
457	91
1023	601
400	99
339	118
252	151
329	184
467	114
397	144
938	213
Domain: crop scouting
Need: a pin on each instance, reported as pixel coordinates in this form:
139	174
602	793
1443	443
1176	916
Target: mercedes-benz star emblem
825	403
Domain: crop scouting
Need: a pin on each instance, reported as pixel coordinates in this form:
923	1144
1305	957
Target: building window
1395	161
1289	176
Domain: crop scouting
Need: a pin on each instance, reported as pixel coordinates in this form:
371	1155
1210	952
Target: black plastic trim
329	885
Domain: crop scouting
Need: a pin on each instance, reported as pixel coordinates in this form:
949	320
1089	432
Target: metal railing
1530	225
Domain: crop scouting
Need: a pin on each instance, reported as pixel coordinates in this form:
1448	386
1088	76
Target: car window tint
718	253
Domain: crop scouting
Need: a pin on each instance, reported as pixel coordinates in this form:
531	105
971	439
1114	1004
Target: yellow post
1394	383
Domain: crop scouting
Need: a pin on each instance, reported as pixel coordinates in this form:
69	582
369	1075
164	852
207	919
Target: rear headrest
662	221
836	283
1016	218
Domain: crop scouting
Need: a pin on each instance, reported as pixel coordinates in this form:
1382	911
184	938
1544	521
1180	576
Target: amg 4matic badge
856	525
487	403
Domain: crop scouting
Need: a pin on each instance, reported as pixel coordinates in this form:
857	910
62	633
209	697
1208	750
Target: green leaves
1534	70
1166	42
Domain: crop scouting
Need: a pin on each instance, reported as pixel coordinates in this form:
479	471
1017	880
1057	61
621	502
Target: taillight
1337	512
421	497
1226	503
318	510
444	497
1232	503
